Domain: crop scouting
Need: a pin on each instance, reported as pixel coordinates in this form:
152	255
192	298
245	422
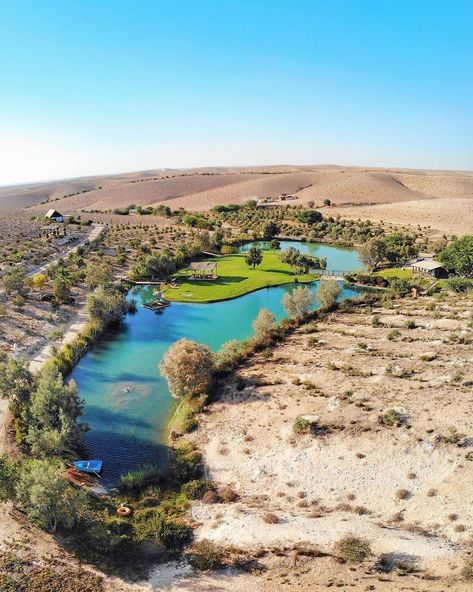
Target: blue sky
102	86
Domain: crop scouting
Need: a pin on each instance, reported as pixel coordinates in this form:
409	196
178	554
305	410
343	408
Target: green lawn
235	278
403	274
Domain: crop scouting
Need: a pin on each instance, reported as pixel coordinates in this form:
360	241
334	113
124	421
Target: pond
127	402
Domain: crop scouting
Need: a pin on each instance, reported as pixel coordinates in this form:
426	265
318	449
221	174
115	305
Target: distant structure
429	267
55	215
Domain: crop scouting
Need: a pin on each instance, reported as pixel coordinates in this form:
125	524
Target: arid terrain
400	485
436	198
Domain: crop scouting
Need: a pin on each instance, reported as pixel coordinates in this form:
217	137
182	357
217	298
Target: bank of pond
127	402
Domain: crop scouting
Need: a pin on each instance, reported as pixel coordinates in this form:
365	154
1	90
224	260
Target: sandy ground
350	476
451	216
200	189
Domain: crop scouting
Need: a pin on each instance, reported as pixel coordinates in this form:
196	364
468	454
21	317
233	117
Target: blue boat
89	466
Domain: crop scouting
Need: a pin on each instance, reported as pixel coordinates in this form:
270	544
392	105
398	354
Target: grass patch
403	274
235	279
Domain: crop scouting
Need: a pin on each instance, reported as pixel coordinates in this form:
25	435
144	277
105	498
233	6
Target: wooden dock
157	305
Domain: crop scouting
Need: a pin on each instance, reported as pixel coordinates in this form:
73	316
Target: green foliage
391	417
9	475
458	257
187	463
301	425
373	252
459	284
50	501
98	273
328	292
52	415
309	217
195	489
254	257
13	280
106	306
137	481
61	289
299	262
156	266
16	382
400	247
270	230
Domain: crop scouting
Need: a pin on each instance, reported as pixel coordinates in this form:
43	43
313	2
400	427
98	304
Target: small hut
54	215
429	267
202	270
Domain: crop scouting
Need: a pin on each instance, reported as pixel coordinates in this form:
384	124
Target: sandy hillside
197	189
450	216
401	486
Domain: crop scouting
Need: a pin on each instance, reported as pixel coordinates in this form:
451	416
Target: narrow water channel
127	402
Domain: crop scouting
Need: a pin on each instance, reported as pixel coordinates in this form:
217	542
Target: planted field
235	278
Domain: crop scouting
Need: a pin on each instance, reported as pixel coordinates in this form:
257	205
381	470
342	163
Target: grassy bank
235	279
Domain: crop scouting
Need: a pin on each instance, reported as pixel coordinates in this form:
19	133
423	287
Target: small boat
89	466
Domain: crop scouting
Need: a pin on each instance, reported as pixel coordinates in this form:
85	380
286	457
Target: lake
127	402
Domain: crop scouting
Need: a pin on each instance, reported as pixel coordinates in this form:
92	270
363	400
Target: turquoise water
338	258
128	427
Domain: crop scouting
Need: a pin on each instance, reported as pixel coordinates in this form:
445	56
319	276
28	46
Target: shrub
197	488
299	303
229	356
263	324
136	481
271	518
353	549
187	463
467	570
391	417
188	367
402	494
301	425
327	293
229	495
452	436
206	555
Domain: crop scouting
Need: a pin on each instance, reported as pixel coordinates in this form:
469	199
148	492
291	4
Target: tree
14	280
328	293
50	501
263	324
53	414
270	229
275	244
254	257
400	247
299	303
61	288
458	257
188	368
327	202
309	217
39	281
8	478
373	253
106	306
299	262
98	273
229	356
16	383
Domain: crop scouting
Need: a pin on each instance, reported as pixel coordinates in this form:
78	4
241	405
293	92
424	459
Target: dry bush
205	555
467	570
271	518
353	549
228	495
402	494
210	497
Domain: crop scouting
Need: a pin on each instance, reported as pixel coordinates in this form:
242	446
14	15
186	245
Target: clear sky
102	86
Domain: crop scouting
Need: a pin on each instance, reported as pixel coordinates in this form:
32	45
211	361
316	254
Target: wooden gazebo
202	270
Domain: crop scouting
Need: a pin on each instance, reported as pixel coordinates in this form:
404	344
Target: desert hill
197	189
